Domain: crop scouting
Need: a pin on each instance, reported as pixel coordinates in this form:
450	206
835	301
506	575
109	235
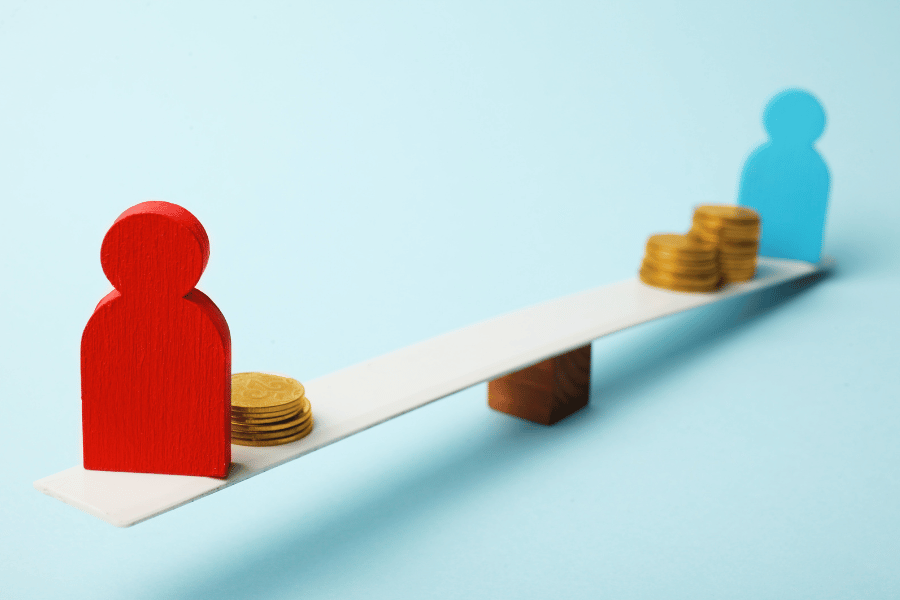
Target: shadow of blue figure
786	180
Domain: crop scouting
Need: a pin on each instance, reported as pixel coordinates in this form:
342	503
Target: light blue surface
371	175
787	181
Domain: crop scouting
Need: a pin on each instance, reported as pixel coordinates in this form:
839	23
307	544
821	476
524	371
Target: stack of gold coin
268	410
681	263
735	232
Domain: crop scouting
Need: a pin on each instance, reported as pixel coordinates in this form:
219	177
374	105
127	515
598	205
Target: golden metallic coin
738	254
679	268
269	435
725	212
739	259
713	224
675	259
267	412
689	278
732	267
302	410
286	440
744	263
668	261
723	236
273	435
264	420
293	406
279	426
681	258
731	274
703	235
266	416
261	392
736	277
678	245
677	287
715	234
717	222
672	281
738	244
737	267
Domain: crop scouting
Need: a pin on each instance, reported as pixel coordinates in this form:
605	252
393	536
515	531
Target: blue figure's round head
794	117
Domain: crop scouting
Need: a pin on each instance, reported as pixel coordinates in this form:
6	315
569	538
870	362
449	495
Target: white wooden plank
358	397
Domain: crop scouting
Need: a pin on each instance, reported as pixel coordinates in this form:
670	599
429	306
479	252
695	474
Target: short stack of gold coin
681	263
735	232
268	410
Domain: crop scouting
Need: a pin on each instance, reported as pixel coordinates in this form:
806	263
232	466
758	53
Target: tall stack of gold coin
268	410
681	263
734	230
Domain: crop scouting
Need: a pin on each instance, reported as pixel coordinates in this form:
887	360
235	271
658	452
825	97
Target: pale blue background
375	173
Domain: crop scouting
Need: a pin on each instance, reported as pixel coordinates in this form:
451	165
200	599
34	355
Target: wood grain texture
546	392
156	353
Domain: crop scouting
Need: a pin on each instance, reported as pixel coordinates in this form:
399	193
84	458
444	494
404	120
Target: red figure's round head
155	249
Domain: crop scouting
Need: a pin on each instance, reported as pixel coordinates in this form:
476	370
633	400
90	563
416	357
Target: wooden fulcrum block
546	392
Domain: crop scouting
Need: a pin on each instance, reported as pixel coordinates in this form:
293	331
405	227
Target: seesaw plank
358	397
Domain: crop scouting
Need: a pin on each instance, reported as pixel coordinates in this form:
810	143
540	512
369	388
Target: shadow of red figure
156	353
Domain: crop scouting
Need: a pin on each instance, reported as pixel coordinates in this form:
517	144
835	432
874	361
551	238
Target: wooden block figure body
156	353
546	392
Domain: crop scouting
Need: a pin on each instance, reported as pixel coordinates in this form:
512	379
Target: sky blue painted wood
787	181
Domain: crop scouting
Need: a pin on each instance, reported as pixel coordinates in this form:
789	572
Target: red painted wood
156	353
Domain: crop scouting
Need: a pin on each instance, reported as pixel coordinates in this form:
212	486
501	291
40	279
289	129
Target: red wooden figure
156	353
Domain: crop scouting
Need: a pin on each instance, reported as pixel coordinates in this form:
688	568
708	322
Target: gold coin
727	251
249	422
714	224
706	268
726	212
271	412
723	235
278	426
676	287
729	236
675	244
739	276
738	261
271	418
680	258
738	266
688	278
272	435
266	419
261	392
734	267
738	272
682	282
278	442
745	262
267	415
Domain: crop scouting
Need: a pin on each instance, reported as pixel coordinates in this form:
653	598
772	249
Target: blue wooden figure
786	180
